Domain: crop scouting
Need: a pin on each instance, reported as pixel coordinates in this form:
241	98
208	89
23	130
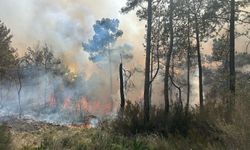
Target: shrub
5	137
176	122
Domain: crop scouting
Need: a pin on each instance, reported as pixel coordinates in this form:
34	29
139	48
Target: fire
82	104
93	107
82	107
67	103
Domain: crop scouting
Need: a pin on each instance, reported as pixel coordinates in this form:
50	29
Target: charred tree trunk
197	31
168	59
147	64
232	51
121	88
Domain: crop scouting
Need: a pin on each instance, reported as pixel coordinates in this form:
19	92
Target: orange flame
67	103
93	107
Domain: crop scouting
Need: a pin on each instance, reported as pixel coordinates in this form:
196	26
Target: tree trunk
121	88
171	94
232	51
188	62
168	58
197	31
19	93
151	76
147	64
46	83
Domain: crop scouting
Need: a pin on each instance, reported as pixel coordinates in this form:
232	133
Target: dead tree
121	88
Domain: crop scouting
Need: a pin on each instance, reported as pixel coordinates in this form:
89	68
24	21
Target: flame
93	107
82	104
67	103
72	68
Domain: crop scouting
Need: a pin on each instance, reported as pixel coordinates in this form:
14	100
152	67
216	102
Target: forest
155	74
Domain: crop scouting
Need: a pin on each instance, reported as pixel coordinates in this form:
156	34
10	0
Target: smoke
65	24
54	98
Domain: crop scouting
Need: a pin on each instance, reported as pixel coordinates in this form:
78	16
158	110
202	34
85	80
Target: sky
65	24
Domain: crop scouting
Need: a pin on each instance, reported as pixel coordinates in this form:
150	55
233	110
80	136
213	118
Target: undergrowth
208	130
5	139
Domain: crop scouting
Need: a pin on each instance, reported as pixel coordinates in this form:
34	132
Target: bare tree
188	59
121	87
147	63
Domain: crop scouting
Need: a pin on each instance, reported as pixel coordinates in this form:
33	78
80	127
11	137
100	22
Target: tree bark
147	64
168	59
232	51
188	62
121	88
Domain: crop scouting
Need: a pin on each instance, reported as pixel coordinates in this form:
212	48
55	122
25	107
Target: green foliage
220	49
7	58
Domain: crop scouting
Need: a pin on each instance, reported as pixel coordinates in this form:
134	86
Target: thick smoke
54	97
64	25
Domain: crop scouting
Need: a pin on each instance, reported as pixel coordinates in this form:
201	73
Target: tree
18	78
121	88
231	14
232	50
188	59
106	33
7	58
41	61
205	24
168	57
147	63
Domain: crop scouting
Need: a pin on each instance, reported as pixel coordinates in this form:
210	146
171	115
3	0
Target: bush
5	137
176	122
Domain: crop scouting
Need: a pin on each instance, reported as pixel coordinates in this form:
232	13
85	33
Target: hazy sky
65	24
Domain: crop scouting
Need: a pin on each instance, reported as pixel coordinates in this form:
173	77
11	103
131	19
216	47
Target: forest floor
26	134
